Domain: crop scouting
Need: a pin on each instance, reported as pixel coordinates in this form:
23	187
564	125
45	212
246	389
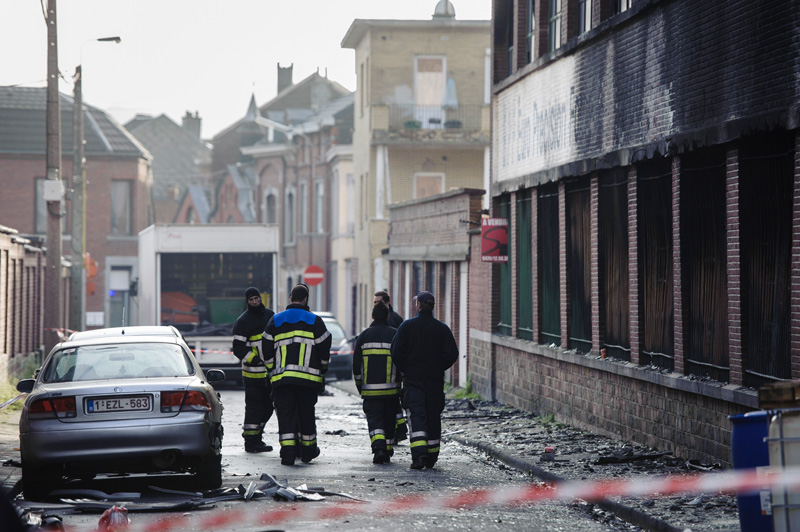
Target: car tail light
177	401
53	407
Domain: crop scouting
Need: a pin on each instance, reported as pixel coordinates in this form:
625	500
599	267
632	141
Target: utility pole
77	196
54	188
77	290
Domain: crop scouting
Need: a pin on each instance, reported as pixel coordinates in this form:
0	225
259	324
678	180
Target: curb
631	515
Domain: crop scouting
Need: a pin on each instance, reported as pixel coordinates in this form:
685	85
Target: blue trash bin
749	450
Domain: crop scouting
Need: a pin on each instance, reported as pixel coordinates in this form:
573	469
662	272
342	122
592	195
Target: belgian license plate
118	404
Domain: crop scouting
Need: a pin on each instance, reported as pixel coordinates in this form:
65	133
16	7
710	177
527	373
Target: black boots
306	459
417	463
381	456
256	447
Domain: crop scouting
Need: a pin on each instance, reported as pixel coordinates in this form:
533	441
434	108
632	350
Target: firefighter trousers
297	424
381	418
425	404
257	407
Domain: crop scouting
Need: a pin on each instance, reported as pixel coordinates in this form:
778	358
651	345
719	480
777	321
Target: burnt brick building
645	154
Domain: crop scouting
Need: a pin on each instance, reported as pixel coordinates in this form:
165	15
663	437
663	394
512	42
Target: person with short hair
248	332
298	348
395	319
423	349
378	382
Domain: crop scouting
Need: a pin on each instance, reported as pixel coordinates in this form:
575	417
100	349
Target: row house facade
422	126
299	183
439	263
282	163
181	159
645	156
23	262
117	195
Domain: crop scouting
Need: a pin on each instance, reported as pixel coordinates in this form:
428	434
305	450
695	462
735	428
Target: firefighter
423	349
378	382
248	331
297	346
394	320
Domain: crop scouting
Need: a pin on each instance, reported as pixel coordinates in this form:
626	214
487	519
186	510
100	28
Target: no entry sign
313	275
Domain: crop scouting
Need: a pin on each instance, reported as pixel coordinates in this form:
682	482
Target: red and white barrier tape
741	481
210	351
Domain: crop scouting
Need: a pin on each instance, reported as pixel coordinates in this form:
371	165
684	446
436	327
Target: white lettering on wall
534	122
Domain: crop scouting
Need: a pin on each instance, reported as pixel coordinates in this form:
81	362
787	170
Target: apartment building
421	126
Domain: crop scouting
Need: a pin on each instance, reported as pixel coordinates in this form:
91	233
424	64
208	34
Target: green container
225	309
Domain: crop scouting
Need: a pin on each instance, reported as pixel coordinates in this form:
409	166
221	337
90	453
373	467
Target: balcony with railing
427	123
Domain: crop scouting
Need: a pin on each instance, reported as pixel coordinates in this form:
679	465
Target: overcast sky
207	56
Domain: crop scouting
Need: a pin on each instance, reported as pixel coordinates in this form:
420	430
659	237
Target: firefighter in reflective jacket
378	382
394	320
298	347
248	331
423	349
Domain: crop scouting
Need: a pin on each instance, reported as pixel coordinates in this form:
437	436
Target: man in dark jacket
423	349
378	382
248	331
394	320
298	347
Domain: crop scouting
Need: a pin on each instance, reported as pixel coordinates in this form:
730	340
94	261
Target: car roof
119	340
135	330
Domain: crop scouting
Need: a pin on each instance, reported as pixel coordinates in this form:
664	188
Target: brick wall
734	267
22	270
633	263
671	81
661	412
795	283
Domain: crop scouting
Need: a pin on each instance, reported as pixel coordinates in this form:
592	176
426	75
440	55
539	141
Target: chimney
284	77
192	124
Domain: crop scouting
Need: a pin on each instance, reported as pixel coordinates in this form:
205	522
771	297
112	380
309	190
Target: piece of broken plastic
115	519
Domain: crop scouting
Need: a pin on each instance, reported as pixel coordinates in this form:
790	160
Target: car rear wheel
37	483
209	473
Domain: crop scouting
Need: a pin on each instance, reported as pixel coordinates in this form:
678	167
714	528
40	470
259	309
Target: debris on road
115	519
583	455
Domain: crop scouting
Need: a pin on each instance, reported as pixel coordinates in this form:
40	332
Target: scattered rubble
568	453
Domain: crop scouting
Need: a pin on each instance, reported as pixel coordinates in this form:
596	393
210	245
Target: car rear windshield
122	361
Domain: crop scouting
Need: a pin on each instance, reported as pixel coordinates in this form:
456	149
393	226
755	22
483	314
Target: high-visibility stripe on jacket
297	346
374	371
248	341
253	365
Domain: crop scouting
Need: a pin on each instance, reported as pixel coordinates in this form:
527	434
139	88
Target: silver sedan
120	400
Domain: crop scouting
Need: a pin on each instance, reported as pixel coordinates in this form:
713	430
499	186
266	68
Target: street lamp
77	188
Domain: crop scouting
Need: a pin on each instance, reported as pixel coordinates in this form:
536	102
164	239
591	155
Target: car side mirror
215	375
25	385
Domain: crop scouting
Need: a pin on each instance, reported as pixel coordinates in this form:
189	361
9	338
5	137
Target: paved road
346	466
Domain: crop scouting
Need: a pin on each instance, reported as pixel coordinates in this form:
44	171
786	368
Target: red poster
494	240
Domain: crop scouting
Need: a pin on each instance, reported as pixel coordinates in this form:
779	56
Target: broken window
704	263
549	265
766	176
614	300
656	282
